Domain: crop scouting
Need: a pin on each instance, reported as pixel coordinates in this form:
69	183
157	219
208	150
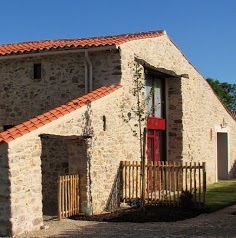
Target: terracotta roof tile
49	45
9	139
26	123
23	132
41	120
40	124
4	133
70	109
34	120
18	127
17	135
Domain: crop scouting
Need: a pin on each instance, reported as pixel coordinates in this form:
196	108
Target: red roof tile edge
47	45
52	115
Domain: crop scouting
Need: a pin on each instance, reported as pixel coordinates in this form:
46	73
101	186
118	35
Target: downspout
86	77
89	88
88	61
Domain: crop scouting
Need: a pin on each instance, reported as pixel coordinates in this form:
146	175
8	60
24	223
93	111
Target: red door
153	146
155	139
153	156
155	149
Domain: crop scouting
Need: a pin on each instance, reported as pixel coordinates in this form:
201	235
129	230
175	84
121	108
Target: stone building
60	113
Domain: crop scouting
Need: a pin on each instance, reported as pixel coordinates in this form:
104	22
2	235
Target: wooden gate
68	196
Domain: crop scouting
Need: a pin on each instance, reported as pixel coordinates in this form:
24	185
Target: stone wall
158	54
26	188
202	112
104	152
106	68
109	147
62	79
202	120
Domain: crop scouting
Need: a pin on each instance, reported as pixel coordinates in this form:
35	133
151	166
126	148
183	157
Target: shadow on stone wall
62	155
175	123
232	172
113	202
5	202
55	163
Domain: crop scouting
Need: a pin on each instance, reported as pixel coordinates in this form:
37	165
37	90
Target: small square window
37	71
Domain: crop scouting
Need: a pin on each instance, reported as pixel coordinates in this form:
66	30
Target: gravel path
219	224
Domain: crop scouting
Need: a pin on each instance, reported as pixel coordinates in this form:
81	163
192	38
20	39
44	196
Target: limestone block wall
26	189
106	68
25	161
203	119
62	79
24	97
162	54
107	147
202	112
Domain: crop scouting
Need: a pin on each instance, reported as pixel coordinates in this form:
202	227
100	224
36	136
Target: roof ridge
52	115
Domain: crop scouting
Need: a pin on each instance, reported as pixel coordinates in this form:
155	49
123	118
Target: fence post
121	181
59	198
204	182
195	184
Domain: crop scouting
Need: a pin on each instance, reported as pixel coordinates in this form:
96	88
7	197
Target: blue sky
205	30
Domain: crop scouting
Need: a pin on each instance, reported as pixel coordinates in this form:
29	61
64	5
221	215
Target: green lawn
220	195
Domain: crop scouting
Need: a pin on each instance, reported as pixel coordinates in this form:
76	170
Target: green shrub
186	199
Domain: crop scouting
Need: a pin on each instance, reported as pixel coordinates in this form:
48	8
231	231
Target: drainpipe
88	61
86	76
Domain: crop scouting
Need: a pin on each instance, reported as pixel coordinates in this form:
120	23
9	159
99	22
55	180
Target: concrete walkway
219	224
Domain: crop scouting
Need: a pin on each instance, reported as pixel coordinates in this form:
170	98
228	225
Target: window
37	71
154	88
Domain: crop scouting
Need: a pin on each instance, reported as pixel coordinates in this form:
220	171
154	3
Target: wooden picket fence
164	182
68	197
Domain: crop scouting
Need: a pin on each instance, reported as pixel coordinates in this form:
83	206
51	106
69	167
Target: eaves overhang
57	52
159	71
